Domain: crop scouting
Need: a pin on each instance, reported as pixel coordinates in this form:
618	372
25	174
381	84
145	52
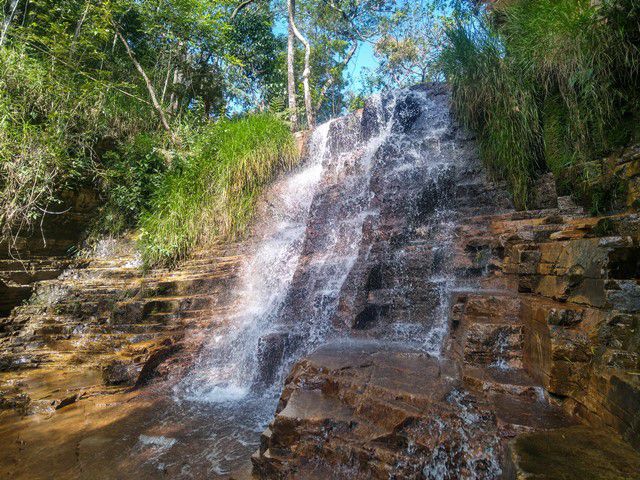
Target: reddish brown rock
366	411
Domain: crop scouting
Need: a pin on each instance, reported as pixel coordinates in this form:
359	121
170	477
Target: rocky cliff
542	336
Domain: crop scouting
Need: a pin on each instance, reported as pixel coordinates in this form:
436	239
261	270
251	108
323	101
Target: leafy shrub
211	193
52	122
129	176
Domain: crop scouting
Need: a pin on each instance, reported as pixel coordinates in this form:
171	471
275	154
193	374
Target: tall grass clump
491	99
210	194
547	85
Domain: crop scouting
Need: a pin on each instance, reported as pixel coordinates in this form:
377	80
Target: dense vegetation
210	193
173	111
106	96
548	85
177	113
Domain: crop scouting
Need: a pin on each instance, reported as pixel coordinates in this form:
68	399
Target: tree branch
7	20
331	80
241	6
149	85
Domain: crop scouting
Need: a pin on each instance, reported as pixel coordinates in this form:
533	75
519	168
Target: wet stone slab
378	411
572	453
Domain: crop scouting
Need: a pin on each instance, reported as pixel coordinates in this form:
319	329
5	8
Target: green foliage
547	84
211	193
50	122
130	175
576	53
75	112
493	100
336	30
594	185
408	46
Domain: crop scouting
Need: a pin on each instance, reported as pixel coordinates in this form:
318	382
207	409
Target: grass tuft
210	195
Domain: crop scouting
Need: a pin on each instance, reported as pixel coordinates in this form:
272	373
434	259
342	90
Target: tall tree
306	73
147	82
335	29
291	73
408	46
8	18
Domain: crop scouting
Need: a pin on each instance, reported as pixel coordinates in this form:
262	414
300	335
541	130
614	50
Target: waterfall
224	370
334	254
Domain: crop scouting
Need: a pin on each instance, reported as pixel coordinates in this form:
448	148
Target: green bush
494	101
130	175
210	194
546	84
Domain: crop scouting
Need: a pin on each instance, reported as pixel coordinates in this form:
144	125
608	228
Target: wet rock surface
541	313
362	410
42	252
575	452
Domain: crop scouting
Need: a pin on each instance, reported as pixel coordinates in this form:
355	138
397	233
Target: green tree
408	46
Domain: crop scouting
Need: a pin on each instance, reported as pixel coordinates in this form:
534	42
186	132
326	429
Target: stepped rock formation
396	313
41	252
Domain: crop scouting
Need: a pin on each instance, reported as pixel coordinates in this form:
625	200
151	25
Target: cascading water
226	368
335	252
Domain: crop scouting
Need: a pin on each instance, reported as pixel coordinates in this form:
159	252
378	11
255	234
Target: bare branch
331	80
150	89
241	6
7	21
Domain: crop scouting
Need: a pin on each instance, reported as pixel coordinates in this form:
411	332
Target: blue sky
363	59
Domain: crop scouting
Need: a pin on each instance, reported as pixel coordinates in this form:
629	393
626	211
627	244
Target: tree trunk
166	82
308	105
7	21
291	75
150	89
79	25
174	101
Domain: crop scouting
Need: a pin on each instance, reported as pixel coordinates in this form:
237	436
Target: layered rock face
104	325
366	411
43	251
539	309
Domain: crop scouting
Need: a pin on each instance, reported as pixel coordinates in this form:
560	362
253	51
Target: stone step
165	317
121	261
572	453
172	304
12	296
87	286
516	414
185	286
107	273
488	307
136	328
27	277
210	263
496	345
512	381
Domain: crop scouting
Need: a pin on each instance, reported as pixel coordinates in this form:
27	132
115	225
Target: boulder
362	411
